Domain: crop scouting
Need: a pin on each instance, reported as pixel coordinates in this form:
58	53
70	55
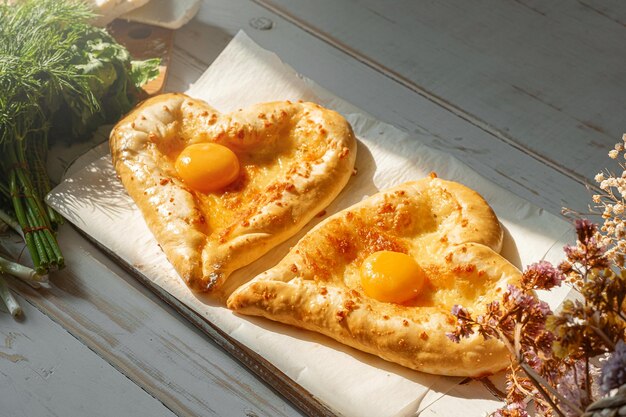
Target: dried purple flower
589	250
459	311
532	359
566	267
517	297
570	385
464	324
488	322
585	230
542	275
516	409
551	353
454	336
518	386
614	370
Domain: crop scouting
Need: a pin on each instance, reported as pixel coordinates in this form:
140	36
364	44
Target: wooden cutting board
144	42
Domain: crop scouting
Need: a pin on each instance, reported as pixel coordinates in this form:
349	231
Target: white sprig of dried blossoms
612	205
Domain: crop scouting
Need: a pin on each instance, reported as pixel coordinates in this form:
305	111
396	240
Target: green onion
8	299
7	219
26	274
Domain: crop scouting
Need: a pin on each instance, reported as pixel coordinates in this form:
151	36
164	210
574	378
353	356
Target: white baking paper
350	382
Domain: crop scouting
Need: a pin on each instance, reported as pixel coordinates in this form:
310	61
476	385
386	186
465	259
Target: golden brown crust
295	158
452	233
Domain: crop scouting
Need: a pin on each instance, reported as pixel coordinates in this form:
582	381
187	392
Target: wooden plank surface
46	372
149	343
378	95
534	74
549	85
528	93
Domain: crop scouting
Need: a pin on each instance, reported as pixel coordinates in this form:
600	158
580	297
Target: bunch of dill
60	78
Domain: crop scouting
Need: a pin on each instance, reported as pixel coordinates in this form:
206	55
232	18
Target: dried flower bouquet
571	362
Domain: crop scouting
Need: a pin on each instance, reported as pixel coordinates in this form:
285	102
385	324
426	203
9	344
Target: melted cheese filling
411	229
287	148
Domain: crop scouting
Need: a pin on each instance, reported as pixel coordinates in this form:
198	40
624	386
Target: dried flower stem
542	385
587	380
604	337
537	380
532	375
587	377
519	385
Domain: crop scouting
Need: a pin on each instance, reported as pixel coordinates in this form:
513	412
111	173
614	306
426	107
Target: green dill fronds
60	78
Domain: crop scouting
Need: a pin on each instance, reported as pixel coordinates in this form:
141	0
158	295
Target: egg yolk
391	277
207	167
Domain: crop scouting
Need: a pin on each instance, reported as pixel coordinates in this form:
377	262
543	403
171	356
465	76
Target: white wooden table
531	94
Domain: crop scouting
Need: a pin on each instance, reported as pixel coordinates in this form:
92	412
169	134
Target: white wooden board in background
383	97
546	77
170	14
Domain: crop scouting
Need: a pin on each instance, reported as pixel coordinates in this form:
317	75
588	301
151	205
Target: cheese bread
441	229
220	190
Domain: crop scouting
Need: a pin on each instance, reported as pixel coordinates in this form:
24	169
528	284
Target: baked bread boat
220	190
451	233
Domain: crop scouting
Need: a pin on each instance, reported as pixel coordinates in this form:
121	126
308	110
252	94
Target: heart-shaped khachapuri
220	190
383	275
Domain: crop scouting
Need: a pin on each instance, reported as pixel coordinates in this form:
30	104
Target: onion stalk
24	273
7	219
11	303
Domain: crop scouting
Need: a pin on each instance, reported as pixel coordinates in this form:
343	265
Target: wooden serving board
309	369
145	42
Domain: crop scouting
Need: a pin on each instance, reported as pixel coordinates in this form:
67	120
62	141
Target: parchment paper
350	382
